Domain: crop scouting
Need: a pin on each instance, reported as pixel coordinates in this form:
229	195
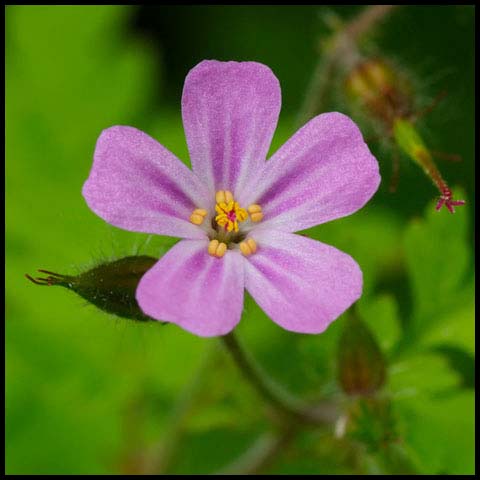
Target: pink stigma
447	200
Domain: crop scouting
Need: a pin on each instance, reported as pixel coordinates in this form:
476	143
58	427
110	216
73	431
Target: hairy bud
361	365
109	286
384	93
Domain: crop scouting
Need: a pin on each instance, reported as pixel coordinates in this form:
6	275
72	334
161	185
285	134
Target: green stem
283	401
261	454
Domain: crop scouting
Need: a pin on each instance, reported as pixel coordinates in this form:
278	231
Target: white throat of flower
226	226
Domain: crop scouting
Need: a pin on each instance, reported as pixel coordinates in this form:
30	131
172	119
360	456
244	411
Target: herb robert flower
235	211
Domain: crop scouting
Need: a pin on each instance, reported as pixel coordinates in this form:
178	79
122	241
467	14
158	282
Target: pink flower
236	212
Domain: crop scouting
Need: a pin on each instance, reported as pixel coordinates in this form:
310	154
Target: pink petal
198	292
137	184
230	111
302	284
325	171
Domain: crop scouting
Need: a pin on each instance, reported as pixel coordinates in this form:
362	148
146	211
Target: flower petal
198	292
230	111
137	184
302	284
325	171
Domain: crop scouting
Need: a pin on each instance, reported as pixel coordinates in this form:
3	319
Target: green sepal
361	363
110	286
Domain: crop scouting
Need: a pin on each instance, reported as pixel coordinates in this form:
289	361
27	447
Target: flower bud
110	286
369	78
385	97
361	365
382	91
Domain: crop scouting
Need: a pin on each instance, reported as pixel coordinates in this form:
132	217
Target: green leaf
380	314
437	257
424	374
457	328
441	432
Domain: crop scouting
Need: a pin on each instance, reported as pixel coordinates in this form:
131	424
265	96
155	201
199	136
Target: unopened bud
110	286
361	364
371	77
383	91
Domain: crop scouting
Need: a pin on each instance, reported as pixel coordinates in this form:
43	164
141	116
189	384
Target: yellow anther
220	196
245	249
221	249
254	208
198	216
248	247
255	211
223	196
216	248
256	217
196	219
252	244
229	211
241	213
212	247
221	219
232	226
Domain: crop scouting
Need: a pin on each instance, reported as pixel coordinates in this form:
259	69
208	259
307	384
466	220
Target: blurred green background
91	393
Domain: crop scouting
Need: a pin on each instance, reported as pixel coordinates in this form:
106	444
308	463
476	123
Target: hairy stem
261	454
282	401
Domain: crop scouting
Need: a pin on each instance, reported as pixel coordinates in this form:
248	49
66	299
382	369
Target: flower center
229	212
226	233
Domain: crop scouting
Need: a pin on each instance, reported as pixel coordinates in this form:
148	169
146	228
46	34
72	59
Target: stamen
221	249
229	212
248	247
255	212
216	248
198	216
212	247
252	244
226	225
223	196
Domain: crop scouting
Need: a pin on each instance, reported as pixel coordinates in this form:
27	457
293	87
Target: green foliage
71	370
441	432
88	393
439	261
381	315
425	388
